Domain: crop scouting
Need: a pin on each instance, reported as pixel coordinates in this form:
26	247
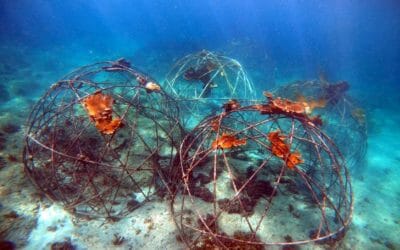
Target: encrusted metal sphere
203	81
345	120
259	176
102	139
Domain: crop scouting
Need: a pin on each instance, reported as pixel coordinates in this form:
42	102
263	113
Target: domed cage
344	119
102	139
259	176
204	80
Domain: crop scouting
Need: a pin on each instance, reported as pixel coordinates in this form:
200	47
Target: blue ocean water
342	38
276	41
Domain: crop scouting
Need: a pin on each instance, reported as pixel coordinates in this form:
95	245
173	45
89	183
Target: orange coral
108	127
293	159
97	104
226	141
282	150
300	106
291	108
150	86
282	105
310	104
99	109
279	147
288	106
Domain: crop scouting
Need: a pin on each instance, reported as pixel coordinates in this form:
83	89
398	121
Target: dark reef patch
13	158
19	88
65	245
3	162
7	245
3	141
10	128
243	206
203	193
4	95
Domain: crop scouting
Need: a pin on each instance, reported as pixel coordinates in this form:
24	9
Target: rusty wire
95	174
201	82
247	196
345	119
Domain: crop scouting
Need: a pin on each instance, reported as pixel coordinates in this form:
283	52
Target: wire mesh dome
203	81
101	140
345	120
259	176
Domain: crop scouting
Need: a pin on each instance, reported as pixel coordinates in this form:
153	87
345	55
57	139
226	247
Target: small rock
132	205
3	162
10	128
390	245
12	158
52	228
65	245
11	215
7	245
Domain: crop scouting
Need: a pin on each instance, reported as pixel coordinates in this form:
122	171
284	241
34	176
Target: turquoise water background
276	41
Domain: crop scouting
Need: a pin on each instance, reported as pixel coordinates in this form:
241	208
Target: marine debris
149	85
282	150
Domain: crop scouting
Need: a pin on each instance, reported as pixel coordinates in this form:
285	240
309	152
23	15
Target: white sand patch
148	227
53	224
141	196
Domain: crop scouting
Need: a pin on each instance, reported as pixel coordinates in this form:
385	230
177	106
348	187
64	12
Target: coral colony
344	117
99	109
107	138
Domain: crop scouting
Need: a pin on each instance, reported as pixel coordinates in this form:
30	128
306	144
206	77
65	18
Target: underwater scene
199	124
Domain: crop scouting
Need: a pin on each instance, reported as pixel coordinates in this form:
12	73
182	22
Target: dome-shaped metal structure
345	120
102	140
203	81
262	175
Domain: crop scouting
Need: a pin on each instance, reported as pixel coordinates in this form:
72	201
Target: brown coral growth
300	109
278	146
282	150
214	124
226	141
293	160
284	105
231	105
99	108
311	104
